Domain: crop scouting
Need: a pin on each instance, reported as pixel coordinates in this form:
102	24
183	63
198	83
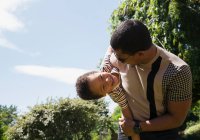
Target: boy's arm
126	112
118	94
106	65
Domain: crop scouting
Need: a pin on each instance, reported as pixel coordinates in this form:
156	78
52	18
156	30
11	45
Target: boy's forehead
93	74
94	77
95	82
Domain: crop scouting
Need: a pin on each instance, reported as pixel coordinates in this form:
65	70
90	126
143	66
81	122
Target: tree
104	127
1	130
7	116
115	116
173	24
59	120
117	113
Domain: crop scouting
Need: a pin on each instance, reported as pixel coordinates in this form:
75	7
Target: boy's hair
83	89
130	37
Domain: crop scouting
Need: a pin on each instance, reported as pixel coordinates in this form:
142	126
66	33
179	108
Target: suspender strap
150	88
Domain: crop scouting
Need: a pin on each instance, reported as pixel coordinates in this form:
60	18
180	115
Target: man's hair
130	37
83	89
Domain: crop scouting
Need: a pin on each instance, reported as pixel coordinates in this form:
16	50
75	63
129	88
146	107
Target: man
158	84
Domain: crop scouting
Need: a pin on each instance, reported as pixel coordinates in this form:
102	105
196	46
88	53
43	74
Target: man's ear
140	53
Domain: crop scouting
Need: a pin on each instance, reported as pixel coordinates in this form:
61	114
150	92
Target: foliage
7	116
1	130
193	119
194	115
173	24
115	116
106	125
193	132
59	120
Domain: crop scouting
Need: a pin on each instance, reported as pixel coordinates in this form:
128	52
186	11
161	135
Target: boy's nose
107	79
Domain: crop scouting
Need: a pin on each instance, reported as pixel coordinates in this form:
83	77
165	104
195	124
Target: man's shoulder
171	58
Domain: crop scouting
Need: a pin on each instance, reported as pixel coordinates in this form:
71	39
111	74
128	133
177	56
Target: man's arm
177	112
178	104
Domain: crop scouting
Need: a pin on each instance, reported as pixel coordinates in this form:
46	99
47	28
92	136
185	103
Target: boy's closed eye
102	81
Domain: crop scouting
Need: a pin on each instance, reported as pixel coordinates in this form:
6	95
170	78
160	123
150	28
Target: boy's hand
127	126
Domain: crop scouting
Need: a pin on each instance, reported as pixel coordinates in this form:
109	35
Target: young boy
96	84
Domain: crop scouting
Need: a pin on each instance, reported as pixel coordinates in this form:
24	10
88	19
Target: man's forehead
119	52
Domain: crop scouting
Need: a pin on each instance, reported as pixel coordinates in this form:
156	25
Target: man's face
127	58
103	82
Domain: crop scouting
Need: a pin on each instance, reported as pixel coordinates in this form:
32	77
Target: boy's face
103	82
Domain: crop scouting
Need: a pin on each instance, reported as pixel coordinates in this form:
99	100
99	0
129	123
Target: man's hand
127	126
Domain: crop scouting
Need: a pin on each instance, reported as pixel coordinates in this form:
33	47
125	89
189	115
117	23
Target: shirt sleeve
106	66
118	94
180	88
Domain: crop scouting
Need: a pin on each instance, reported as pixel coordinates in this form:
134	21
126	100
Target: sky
46	44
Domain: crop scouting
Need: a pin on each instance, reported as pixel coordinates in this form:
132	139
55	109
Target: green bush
64	119
193	132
